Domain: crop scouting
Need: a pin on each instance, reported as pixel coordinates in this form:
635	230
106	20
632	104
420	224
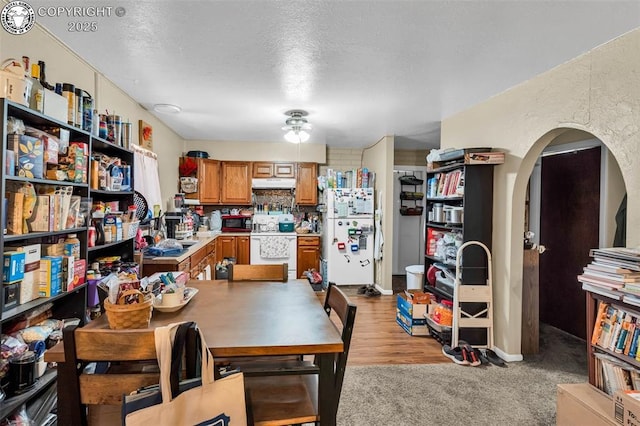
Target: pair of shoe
463	354
369	290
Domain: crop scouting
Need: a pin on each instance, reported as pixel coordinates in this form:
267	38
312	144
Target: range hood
273	183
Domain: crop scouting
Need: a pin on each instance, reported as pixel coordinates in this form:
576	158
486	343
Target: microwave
236	223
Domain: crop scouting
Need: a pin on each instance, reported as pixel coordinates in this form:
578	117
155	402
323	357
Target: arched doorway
575	188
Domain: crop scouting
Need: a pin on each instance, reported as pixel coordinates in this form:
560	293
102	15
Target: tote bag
200	402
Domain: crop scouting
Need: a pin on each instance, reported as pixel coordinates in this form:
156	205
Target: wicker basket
136	315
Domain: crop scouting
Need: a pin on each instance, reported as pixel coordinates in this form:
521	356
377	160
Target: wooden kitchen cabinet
225	247
208	175
308	255
262	169
236	182
306	184
243	250
237	247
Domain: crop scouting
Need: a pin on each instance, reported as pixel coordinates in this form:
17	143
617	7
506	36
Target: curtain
146	179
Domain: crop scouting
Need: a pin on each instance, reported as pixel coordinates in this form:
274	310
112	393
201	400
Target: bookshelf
459	202
611	282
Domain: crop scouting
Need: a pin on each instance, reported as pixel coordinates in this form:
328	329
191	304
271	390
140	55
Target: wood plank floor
377	338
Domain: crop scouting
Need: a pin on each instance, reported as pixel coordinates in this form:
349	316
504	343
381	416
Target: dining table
253	318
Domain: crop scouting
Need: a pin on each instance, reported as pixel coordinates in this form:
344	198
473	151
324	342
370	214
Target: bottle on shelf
69	92
72	246
43	77
36	101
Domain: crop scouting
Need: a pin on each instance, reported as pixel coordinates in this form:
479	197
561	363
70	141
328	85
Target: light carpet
523	393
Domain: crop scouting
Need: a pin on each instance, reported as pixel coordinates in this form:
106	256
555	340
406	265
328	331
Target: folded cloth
157	251
274	247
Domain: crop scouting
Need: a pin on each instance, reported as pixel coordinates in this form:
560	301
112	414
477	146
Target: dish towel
274	247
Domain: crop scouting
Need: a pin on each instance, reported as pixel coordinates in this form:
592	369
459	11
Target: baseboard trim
508	357
383	291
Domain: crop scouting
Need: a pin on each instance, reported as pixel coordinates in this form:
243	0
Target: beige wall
379	158
259	151
342	159
597	93
404	157
65	66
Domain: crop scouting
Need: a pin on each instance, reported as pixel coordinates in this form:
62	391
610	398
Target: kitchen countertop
202	242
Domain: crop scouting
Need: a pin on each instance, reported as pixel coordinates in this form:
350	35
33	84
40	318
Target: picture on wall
146	135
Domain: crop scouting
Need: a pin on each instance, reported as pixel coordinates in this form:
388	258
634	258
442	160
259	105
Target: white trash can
414	277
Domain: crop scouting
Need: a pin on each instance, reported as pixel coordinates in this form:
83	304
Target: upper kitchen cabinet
208	175
263	169
306	184
236	182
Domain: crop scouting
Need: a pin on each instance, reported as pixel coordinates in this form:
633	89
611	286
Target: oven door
273	249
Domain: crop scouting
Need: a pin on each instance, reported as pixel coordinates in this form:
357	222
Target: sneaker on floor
470	353
455	354
363	289
372	292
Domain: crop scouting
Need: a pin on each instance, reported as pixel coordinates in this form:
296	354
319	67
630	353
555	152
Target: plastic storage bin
414	277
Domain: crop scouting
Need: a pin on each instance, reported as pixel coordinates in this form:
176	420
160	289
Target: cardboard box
31	282
411	310
584	405
11	295
50	276
492	157
12	267
68	263
55	106
79	273
14	213
30	157
39	220
413	326
626	407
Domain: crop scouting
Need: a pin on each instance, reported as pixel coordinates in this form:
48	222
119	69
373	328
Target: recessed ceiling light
167	108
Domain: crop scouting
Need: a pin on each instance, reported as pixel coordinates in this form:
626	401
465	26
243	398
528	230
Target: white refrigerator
348	228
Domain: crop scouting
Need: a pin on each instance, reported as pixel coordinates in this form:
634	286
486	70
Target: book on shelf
633	350
608	324
610	268
603	291
613	374
600	317
601	282
617	329
626	277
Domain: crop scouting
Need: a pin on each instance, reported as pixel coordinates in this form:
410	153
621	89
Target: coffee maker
174	220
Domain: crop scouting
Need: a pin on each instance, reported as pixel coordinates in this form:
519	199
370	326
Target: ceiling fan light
304	136
292	137
296	126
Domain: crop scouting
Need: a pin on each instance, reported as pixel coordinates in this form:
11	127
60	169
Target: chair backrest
339	303
274	272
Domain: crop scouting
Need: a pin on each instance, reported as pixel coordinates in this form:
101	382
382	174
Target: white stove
269	246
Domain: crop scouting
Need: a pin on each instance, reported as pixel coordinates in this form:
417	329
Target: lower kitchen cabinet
238	247
308	254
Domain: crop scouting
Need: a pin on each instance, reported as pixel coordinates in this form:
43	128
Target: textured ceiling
363	69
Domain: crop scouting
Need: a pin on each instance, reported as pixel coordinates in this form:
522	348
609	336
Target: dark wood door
569	227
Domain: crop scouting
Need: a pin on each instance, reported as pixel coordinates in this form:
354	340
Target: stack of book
615	273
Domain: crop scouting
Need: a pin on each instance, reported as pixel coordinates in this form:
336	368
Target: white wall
598	93
63	65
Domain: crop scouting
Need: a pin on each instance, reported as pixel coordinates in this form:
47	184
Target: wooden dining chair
274	272
101	365
293	399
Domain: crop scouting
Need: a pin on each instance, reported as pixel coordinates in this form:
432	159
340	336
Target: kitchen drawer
308	241
197	257
184	266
